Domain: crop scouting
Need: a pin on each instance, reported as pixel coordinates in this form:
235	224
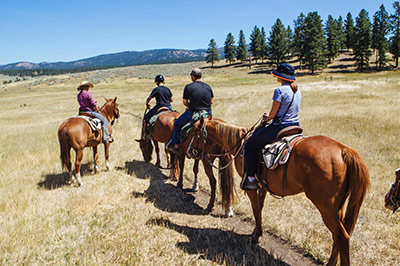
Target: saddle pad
153	119
278	152
94	123
187	127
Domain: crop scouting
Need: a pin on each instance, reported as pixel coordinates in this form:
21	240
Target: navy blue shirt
199	96
162	95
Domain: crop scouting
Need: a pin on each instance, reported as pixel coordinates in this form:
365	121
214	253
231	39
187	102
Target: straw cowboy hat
85	83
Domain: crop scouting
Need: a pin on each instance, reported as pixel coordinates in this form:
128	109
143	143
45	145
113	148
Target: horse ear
106	99
201	121
138	140
115	99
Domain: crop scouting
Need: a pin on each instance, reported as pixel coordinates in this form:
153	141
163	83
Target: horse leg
181	164
168	156
107	155
158	162
195	186
255	204
173	165
78	160
95	159
213	184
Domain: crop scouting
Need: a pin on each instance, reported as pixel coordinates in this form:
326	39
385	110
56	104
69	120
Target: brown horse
392	197
77	134
324	169
162	132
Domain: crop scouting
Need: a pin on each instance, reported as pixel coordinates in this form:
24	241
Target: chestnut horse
76	133
392	197
162	132
324	169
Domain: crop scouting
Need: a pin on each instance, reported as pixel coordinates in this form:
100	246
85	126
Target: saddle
153	119
278	152
94	123
185	130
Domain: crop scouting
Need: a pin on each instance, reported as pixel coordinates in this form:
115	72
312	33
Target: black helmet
159	78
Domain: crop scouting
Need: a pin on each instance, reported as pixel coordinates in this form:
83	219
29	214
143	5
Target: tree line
315	43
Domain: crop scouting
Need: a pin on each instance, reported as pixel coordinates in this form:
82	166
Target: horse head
392	197
110	109
147	149
198	139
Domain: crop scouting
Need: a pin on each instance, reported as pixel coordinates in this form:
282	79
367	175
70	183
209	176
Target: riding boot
246	184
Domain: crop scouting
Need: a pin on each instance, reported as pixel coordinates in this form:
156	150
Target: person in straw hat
284	112
88	105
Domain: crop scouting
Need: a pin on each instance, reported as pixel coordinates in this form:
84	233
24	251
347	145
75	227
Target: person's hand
148	106
265	117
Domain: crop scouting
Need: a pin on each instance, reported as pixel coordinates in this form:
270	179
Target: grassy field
133	215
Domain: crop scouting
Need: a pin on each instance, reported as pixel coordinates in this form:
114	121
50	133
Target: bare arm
272	112
171	100
148	100
185	102
212	100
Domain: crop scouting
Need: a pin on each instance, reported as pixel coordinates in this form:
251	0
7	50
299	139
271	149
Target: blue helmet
159	78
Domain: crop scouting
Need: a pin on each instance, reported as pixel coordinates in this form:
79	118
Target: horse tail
226	180
358	184
65	148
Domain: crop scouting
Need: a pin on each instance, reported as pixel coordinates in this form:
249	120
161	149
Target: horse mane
231	134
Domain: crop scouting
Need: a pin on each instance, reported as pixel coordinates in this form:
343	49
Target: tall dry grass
133	215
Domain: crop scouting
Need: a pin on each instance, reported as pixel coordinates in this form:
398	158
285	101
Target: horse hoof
195	188
229	213
179	185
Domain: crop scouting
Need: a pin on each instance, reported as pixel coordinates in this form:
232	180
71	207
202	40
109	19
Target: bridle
206	155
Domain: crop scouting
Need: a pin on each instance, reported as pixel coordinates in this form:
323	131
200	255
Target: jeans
258	140
152	112
103	121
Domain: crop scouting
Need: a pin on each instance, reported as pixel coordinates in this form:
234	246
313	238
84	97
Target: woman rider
88	105
284	112
163	97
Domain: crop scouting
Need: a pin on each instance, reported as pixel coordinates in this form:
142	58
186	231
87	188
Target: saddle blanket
278	152
94	123
153	119
185	130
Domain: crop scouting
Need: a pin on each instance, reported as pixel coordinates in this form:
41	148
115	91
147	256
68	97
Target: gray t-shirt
284	94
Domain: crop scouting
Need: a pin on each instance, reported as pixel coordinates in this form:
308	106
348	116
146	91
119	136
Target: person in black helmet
163	97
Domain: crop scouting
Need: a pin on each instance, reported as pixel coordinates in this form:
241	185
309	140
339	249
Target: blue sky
58	30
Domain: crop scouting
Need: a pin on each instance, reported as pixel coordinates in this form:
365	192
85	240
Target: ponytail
294	86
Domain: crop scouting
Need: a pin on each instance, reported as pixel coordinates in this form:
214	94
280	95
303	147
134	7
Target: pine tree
290	38
263	47
278	43
212	53
230	48
395	30
349	31
341	34
332	38
242	48
380	29
362	40
299	38
255	43
314	43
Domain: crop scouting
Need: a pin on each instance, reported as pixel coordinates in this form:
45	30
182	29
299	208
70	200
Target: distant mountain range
158	56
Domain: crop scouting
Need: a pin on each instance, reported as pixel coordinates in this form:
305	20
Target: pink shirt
86	101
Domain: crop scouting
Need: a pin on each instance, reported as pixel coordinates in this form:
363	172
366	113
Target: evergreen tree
395	30
264	47
230	48
380	29
242	47
362	40
255	43
290	38
314	42
299	38
332	37
278	43
349	31
212	53
341	34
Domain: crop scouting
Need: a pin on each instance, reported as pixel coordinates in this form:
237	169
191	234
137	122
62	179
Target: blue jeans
152	112
258	140
103	121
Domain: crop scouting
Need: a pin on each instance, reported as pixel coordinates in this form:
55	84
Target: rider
88	105
163	97
197	96
284	112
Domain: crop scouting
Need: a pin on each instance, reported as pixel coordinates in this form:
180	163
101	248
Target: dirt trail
286	253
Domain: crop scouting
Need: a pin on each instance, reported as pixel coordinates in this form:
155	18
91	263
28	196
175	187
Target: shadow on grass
165	196
54	181
222	247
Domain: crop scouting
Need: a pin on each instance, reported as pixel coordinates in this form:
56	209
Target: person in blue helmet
163	97
197	96
284	112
